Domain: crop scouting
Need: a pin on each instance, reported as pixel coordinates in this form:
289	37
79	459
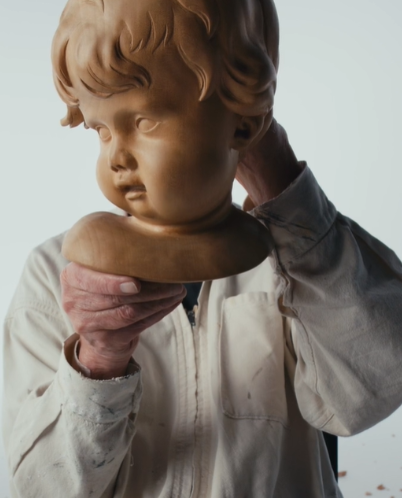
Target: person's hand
109	312
266	169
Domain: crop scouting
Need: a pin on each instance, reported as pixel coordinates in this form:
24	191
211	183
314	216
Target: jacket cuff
100	401
298	218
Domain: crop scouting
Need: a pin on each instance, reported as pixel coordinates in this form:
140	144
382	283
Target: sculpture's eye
104	133
145	125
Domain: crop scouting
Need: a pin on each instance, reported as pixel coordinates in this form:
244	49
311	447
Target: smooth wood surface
176	91
117	244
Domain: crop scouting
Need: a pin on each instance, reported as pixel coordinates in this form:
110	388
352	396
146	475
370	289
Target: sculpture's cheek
104	176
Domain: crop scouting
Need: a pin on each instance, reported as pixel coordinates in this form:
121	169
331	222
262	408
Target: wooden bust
176	90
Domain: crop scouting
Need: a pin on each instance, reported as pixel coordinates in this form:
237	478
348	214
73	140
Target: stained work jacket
232	407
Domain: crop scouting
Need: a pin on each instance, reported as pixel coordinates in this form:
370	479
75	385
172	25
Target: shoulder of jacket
39	284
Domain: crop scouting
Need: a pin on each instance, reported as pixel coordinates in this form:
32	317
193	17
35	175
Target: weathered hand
268	168
110	311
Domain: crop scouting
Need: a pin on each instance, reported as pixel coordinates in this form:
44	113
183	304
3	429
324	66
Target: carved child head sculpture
175	89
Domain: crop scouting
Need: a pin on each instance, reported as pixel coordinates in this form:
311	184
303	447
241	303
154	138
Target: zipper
192	317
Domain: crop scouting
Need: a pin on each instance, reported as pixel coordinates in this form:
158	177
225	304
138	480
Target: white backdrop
338	97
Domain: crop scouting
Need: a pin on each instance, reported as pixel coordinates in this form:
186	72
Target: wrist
102	366
270	188
270	167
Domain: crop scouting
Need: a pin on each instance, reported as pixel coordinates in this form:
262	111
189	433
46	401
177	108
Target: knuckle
114	299
98	283
67	300
70	300
68	304
127	313
105	284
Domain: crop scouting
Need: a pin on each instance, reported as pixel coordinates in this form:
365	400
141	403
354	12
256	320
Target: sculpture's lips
135	191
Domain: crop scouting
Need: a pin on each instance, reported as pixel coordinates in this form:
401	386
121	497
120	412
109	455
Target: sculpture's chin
204	222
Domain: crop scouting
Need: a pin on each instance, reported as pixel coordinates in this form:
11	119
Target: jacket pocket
252	358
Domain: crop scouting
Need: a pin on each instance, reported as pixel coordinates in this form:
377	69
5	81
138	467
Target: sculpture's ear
249	130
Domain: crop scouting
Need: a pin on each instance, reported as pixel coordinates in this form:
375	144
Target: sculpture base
116	244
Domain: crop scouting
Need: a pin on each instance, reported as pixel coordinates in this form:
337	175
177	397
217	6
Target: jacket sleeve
65	435
341	290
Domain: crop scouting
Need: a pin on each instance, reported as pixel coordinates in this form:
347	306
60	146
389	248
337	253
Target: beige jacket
310	340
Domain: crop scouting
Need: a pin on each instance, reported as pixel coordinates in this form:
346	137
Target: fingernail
129	288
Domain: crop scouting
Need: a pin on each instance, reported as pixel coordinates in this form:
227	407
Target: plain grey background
338	96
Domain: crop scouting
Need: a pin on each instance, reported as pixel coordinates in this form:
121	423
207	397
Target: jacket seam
297	256
46	308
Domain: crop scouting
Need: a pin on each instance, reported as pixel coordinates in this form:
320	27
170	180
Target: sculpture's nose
121	159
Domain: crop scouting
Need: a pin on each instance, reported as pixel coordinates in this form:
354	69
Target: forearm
342	290
77	427
56	423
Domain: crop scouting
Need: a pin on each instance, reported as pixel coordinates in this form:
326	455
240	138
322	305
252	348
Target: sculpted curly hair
230	45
